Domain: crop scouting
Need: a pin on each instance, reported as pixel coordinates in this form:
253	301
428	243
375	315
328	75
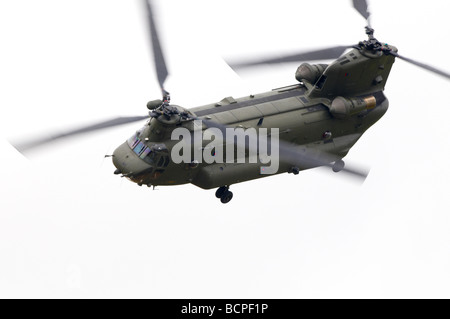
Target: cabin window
260	122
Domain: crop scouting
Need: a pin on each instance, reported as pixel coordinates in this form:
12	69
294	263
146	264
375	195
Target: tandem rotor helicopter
315	121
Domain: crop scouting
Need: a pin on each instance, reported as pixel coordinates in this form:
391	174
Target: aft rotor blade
321	54
362	7
24	147
309	158
158	56
422	65
300	156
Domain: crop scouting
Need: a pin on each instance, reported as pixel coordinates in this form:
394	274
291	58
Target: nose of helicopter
127	162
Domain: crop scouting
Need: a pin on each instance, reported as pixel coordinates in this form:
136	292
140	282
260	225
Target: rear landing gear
224	194
338	166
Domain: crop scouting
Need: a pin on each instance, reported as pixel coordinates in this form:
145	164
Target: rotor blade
422	65
362	7
160	63
26	146
297	155
309	158
321	54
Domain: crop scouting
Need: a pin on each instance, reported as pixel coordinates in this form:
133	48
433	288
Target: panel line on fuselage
252	102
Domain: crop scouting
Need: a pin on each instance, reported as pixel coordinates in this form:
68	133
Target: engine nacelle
310	72
343	108
152	105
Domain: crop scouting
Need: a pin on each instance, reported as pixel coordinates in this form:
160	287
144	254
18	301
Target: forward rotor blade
158	56
321	54
300	156
422	65
362	7
26	146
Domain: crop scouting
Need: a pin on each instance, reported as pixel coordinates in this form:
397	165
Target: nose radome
127	162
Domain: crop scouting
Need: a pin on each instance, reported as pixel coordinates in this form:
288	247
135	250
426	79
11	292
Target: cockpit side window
166	161
161	162
145	153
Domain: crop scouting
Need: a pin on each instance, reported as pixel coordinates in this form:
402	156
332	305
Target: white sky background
70	228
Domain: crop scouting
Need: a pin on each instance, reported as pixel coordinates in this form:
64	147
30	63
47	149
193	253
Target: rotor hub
372	44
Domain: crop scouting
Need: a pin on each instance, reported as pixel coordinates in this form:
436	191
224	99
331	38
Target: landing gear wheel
220	191
338	166
226	197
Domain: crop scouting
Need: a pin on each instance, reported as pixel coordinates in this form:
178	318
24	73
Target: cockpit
156	155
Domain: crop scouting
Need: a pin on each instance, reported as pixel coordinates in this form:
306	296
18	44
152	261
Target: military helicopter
318	119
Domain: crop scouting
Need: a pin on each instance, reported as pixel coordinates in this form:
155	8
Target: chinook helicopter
318	119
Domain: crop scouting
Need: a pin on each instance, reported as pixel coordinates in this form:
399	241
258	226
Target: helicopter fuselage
328	112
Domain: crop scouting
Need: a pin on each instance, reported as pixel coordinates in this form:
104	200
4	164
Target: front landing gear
224	194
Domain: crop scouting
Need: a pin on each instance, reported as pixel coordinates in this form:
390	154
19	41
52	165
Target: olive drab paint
239	145
314	122
328	116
